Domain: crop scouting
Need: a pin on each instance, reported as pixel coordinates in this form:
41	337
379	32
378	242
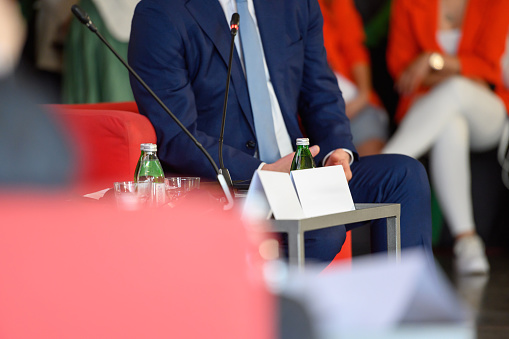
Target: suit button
251	144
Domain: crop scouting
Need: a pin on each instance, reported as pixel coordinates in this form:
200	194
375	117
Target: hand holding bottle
284	164
303	158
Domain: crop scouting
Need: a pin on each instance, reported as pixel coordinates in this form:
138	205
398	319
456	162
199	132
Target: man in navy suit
181	49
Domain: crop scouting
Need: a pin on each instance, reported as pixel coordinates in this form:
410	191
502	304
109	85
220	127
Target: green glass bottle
303	158
137	169
150	178
150	168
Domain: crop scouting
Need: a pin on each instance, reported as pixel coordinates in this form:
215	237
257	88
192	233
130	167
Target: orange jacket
344	37
413	30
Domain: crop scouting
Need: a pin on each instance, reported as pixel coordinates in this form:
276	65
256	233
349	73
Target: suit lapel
269	15
210	17
213	23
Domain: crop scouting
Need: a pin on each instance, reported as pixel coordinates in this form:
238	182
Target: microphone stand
83	17
234	27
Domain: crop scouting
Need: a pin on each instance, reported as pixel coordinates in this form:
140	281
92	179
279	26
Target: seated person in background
91	72
451	89
33	150
12	36
181	50
344	41
51	26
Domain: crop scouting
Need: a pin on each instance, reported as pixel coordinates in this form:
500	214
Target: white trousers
455	117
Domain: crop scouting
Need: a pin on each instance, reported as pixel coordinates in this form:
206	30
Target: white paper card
323	190
256	205
272	191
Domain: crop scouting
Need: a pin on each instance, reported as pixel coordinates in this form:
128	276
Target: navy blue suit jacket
181	48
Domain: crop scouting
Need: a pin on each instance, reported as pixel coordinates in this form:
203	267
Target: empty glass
177	187
127	196
131	196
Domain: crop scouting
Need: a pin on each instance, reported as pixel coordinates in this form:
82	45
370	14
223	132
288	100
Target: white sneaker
470	256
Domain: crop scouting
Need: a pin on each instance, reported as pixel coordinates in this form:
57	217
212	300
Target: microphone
234	28
234	24
83	17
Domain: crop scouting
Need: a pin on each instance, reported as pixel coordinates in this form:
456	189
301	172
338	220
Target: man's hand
340	157
285	163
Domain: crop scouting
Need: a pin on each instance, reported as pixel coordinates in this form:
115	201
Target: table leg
296	248
393	238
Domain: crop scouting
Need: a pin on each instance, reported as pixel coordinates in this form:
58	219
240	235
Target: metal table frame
362	212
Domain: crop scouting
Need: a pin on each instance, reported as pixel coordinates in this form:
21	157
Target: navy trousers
387	178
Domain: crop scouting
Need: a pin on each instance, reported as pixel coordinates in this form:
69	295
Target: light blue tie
257	85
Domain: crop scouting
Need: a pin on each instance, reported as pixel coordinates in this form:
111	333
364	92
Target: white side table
363	212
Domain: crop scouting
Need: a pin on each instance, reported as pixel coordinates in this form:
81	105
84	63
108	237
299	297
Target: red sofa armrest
128	106
107	143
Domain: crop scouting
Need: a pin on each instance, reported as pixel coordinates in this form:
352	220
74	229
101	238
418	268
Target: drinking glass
128	196
177	187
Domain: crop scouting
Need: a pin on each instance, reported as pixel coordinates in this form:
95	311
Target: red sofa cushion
107	142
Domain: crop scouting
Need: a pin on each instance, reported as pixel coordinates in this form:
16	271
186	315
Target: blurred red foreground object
86	270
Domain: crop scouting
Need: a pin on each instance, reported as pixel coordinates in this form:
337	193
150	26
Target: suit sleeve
158	51
321	105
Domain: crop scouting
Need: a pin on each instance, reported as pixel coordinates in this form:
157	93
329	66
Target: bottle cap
302	141
150	148
143	147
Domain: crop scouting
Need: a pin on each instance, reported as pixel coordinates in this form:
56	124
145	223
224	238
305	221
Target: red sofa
107	137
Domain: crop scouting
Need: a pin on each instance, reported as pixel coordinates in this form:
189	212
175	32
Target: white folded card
272	192
322	190
304	194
